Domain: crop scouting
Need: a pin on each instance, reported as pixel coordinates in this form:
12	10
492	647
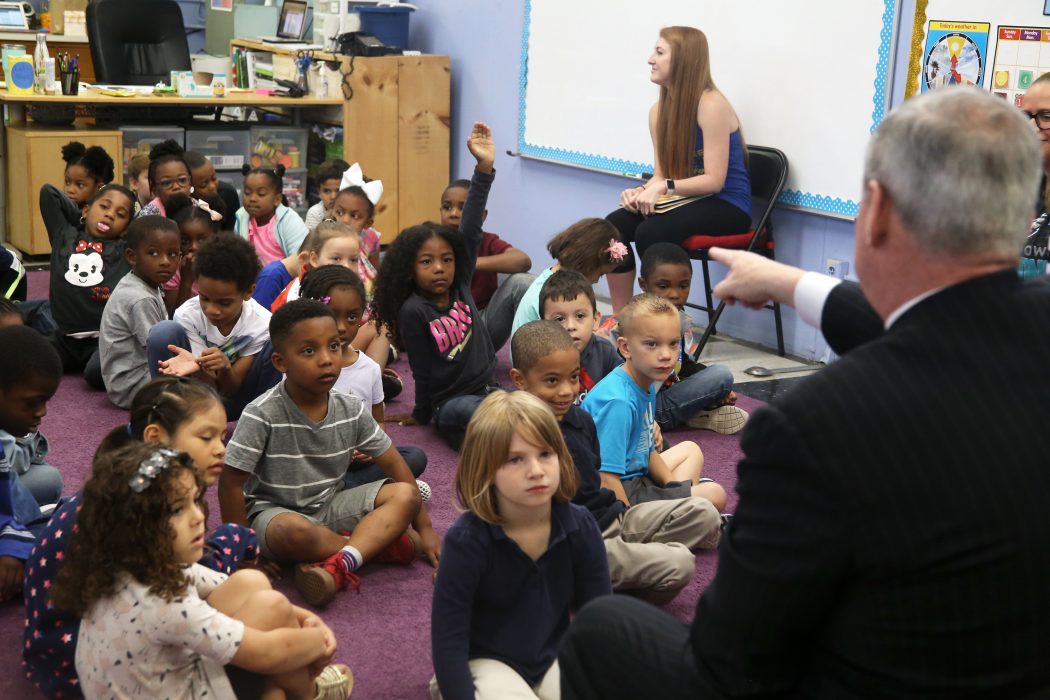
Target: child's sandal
335	682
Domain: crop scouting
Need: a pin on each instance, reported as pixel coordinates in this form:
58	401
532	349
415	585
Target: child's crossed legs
686	463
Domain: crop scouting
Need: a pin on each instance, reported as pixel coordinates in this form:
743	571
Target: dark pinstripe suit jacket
892	537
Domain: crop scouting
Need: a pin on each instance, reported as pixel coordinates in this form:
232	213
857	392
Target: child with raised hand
171	623
276	276
341	290
183	414
568	298
206	182
422	295
87	169
87	262
497	302
199	218
695	395
331	243
648	545
289	456
221	335
272	228
517	562
30	372
168	175
136	305
590	246
623	405
329	179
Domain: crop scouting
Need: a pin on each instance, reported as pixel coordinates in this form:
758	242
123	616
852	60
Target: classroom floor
384	630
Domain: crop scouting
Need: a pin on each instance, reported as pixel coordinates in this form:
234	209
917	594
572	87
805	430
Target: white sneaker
725	420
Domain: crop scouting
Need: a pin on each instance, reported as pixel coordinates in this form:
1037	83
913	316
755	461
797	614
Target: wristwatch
669	183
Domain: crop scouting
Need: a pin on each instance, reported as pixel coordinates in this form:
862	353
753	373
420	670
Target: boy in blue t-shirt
623	406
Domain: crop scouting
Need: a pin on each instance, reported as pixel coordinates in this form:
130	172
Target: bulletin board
1002	46
810	77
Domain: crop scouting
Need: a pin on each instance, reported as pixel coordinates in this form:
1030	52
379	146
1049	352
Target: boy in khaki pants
648	545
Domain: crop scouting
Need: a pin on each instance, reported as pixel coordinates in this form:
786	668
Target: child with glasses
168	175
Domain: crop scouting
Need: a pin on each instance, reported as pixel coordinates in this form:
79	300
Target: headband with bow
354	176
203	206
84	245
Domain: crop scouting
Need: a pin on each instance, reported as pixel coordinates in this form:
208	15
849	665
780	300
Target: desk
57	42
33	151
396	125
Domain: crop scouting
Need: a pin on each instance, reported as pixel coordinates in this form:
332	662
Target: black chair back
136	42
768	170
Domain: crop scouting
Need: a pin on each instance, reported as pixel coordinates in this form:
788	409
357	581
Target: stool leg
780	329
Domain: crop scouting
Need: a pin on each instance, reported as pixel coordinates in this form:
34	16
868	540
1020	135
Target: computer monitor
292	22
12	17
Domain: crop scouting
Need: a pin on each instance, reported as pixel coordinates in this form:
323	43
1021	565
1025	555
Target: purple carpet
383	631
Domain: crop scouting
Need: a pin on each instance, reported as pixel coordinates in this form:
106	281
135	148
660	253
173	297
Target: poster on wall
222	5
955	54
1022	54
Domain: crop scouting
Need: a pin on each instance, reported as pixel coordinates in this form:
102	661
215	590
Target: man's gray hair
962	169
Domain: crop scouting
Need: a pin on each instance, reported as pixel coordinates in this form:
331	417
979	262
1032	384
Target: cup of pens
69	74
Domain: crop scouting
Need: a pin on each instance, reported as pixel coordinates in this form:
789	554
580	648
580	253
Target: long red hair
690	78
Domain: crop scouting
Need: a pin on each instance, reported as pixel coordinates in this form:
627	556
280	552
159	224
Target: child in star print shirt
422	293
184	414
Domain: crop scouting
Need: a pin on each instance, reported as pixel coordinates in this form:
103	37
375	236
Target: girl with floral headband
154	621
591	247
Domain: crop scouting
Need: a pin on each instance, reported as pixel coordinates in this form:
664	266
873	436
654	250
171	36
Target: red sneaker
318	583
400	551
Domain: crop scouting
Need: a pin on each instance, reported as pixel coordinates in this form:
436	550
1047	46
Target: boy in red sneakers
286	462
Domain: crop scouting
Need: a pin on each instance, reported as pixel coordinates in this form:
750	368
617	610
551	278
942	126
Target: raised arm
483	148
58	211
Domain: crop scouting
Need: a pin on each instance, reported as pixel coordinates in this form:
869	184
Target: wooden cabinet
34	158
396	125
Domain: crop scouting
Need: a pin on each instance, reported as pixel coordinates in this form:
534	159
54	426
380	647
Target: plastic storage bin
227	149
139	139
278	144
295	190
388	24
233	178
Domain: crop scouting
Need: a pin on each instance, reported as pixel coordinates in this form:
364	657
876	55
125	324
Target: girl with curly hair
422	294
183	414
154	621
87	169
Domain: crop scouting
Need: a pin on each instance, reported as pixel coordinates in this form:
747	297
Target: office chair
136	42
767	169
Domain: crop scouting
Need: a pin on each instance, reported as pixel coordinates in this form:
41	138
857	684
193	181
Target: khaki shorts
342	514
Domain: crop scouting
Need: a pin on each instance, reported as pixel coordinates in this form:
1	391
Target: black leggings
709	216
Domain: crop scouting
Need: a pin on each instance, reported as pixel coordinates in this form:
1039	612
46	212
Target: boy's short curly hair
25	355
536	340
94	160
229	258
143	228
286	318
331	170
663	254
123	532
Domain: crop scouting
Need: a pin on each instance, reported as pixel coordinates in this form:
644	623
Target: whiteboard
1003	13
810	77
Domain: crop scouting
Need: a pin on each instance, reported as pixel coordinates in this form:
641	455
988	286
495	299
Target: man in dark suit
892	537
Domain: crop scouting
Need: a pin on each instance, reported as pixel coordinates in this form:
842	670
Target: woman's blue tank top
737	187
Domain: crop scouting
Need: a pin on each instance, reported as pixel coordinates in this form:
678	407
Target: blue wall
532	201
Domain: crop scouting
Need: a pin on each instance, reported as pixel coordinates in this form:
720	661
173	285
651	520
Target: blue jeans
365	473
680	402
451	418
499	314
261	376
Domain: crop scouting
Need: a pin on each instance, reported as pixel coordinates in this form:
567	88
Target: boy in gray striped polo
286	462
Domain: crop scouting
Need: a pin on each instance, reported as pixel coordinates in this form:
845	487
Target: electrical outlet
837	268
